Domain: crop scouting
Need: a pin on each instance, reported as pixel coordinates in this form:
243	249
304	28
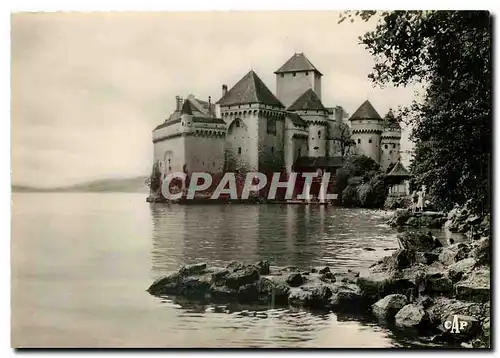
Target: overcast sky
88	89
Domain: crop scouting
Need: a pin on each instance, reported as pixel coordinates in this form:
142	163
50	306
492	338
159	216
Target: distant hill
126	185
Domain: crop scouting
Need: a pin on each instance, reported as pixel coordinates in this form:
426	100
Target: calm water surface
81	264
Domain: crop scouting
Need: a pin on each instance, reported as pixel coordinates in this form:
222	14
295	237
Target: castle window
319	134
294	74
369	140
385	146
182	123
393	145
299	151
316	148
272	149
239	150
237	124
282	75
307	73
271	126
359	141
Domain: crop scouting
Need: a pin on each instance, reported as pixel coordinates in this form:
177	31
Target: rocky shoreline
420	287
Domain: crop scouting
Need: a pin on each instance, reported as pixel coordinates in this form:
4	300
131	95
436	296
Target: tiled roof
250	89
296	119
319	162
365	111
308	100
399	170
297	63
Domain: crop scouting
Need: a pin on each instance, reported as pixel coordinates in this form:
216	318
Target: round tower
390	142
367	128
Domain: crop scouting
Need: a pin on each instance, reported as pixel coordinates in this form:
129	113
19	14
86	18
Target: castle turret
390	141
186	116
367	128
295	77
309	107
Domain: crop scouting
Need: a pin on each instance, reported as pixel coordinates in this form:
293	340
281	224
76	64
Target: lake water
81	264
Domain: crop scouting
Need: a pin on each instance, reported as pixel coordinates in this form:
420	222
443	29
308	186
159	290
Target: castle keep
250	128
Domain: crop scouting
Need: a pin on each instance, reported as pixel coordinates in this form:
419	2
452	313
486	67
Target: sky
87	89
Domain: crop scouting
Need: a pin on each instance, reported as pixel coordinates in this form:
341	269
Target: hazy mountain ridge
122	185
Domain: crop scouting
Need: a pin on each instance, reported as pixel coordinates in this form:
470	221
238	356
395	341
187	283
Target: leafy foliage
154	180
450	53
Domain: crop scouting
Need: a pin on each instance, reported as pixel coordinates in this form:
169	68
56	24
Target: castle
252	129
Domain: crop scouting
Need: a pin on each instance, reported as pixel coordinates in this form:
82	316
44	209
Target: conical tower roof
298	63
186	107
307	101
250	89
365	111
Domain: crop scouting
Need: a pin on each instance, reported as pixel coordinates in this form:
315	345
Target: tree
450	53
342	136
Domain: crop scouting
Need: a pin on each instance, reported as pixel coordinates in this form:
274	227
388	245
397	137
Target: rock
195	287
438	285
444	307
241	277
411	316
327	277
380	284
313	297
194	269
222	293
313	270
416	240
324	270
475	286
460	327
424	301
165	284
451	254
295	279
481	251
350	276
347	298
272	288
459	268
234	265
263	267
400	217
426	258
219	275
387	307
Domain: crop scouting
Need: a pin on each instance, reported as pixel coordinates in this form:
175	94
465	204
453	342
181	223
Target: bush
350	197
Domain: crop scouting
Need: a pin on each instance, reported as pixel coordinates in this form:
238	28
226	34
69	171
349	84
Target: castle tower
309	107
367	128
390	141
295	77
255	125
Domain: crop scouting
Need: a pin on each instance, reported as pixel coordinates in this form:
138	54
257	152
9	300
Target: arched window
359	141
237	124
319	134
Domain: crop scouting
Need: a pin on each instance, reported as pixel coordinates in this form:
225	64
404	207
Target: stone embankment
421	287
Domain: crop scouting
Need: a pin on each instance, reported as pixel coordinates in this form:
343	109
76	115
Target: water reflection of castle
216	234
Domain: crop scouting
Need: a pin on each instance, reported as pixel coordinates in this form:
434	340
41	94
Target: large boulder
460	268
445	307
378	285
242	276
481	251
475	286
411	316
400	217
347	298
314	297
438	284
273	289
460	327
294	279
454	253
165	284
386	308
